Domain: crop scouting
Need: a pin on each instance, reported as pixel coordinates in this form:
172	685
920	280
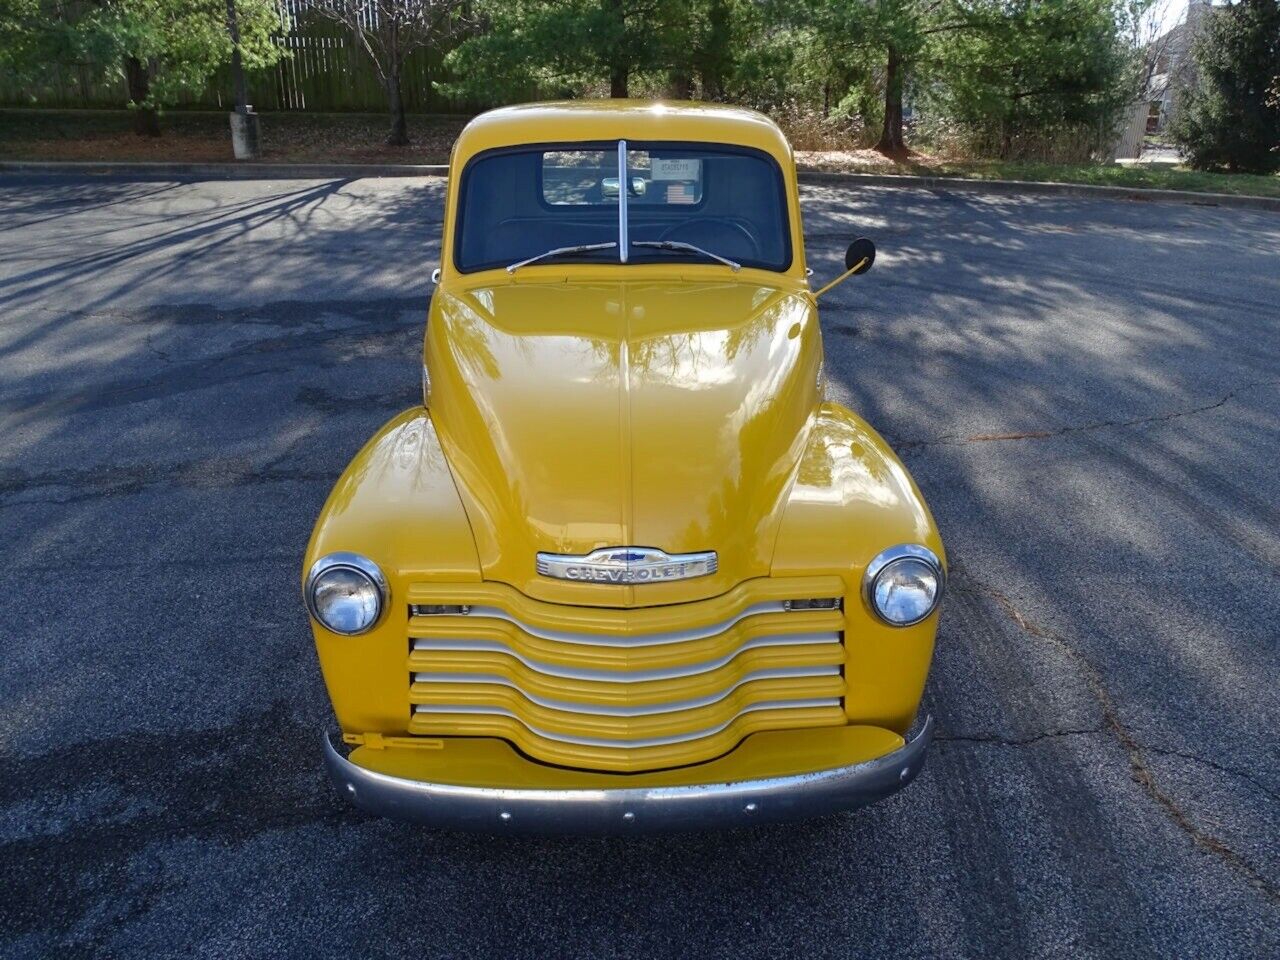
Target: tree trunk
616	53
237	67
891	142
146	123
712	88
399	135
718	54
619	78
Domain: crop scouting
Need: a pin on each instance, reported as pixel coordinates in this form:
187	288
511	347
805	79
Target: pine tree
1230	117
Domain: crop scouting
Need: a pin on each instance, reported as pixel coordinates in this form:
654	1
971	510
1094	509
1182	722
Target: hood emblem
627	565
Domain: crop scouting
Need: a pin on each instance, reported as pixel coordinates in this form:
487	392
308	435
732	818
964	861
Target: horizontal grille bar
619	676
634	744
628	621
624	640
635	710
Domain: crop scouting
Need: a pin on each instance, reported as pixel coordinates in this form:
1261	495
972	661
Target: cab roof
573	121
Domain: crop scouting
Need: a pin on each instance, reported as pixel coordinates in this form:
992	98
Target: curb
351	171
1044	188
227	171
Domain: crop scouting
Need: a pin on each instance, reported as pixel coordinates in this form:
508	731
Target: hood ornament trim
627	565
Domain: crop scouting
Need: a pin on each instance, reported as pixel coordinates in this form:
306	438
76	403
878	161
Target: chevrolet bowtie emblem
629	565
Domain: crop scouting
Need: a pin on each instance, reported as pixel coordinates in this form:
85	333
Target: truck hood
669	415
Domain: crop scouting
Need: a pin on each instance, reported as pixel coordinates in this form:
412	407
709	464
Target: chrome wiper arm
689	248
558	251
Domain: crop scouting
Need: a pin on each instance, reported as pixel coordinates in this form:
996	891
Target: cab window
519	203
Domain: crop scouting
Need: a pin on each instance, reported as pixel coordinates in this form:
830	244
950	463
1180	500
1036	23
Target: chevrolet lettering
627	565
624	568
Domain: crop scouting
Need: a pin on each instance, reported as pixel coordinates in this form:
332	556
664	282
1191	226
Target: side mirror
860	256
857	259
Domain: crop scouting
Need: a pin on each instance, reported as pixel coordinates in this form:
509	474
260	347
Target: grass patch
1144	177
1162	177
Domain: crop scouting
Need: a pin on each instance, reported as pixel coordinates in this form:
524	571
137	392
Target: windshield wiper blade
688	248
560	251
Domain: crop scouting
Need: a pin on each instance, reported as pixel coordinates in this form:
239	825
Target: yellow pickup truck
625	568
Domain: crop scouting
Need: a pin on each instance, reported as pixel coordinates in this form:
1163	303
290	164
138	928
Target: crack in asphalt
187	563
212	473
946	440
995	739
317	398
162	355
998	740
1139	768
100	483
375	323
1213	764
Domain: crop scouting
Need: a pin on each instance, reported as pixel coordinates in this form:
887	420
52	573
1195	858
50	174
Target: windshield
683	203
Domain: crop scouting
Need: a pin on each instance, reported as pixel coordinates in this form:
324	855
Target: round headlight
904	584
346	593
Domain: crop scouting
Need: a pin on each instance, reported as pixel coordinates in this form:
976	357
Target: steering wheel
717	234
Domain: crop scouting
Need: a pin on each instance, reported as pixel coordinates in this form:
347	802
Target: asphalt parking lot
1087	392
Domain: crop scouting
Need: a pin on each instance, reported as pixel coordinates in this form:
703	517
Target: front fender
853	498
396	504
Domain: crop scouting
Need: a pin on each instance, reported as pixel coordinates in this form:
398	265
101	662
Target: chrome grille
624	689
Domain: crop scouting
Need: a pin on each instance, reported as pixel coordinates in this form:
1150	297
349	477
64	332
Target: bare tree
1166	65
388	31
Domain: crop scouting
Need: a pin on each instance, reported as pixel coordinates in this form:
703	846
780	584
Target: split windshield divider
623	189
624	239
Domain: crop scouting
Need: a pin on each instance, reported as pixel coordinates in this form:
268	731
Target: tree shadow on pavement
1085	392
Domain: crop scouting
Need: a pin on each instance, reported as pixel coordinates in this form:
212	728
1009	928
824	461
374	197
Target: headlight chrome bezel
883	561
353	562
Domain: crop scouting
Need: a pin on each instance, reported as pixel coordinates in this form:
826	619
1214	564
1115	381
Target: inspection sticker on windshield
672	169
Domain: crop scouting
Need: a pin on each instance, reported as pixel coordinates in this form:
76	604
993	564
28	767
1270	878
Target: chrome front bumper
629	809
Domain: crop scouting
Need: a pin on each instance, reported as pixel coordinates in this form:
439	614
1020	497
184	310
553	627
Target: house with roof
1170	66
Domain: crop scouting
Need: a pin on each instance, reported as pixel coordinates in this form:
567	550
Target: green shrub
1230	117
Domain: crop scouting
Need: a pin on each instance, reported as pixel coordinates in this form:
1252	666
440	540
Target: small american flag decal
679	193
